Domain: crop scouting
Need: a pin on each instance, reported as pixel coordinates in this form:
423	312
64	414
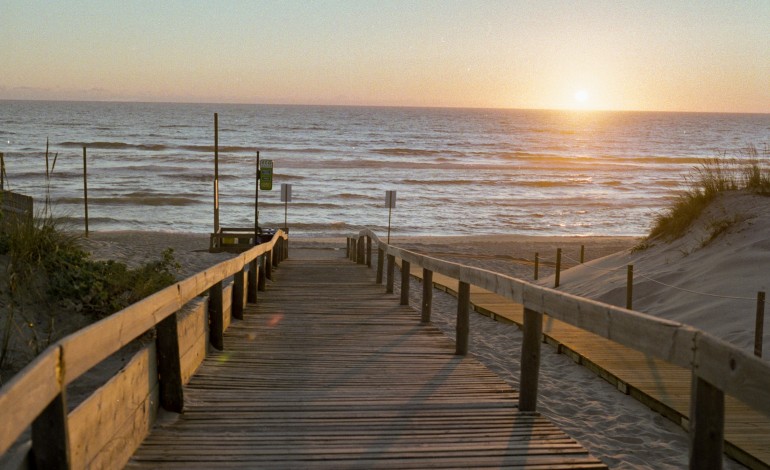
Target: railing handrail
719	363
70	357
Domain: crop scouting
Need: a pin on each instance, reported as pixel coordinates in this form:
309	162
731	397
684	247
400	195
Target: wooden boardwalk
327	371
663	387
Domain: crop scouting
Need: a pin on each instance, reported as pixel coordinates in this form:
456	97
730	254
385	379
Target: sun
581	96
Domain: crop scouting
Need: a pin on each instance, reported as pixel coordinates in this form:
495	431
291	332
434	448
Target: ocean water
456	171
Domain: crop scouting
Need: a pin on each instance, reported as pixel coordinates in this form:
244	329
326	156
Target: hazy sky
671	55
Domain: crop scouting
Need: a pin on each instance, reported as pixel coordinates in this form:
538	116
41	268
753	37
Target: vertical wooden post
380	263
169	366
558	268
269	265
237	305
463	318
361	258
286	246
537	265
630	287
85	188
274	254
389	277
427	294
216	173
353	249
707	422
261	271
216	317
405	269
530	360
347	248
760	324
582	253
50	432
368	251
251	292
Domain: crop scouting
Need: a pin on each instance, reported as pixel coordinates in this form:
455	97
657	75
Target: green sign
266	175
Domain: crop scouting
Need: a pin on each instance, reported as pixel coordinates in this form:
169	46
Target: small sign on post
285	199
390	203
266	175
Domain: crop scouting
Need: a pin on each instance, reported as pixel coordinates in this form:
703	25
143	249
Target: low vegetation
748	171
47	276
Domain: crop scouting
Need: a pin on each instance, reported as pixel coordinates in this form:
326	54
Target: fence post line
251	289
380	264
50	431
405	270
237	305
630	286
389	276
537	264
463	318
216	317
558	268
582	253
707	424
530	360
427	294
169	364
368	251
361	258
759	329
261	273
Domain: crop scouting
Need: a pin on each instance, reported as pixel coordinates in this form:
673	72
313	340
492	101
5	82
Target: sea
151	166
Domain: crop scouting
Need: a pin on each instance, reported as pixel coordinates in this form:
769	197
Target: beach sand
613	426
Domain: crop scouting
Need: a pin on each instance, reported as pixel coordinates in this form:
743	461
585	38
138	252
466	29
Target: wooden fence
106	428
717	366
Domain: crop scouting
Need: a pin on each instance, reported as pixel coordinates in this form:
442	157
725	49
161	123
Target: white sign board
285	192
390	199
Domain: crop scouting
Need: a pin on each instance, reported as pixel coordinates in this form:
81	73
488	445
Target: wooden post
630	287
347	248
558	268
405	282
463	318
368	252
237	305
269	265
760	324
361	257
274	254
353	249
380	263
2	172
261	271
537	265
389	277
216	173
427	294
169	366
50	435
530	360
216	317
251	290
707	421
582	253
85	188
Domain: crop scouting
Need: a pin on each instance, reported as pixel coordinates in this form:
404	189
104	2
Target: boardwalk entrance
327	371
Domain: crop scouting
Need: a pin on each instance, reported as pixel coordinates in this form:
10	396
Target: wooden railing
105	429
717	366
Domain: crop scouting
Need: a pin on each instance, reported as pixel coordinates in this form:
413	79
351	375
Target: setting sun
581	96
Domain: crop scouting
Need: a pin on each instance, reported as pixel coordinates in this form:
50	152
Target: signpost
286	199
390	203
266	175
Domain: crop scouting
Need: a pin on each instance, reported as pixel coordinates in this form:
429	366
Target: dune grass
749	170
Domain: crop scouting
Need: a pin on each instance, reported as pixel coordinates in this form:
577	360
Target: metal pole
537	265
760	325
85	187
256	205
2	172
390	210
557	275
216	173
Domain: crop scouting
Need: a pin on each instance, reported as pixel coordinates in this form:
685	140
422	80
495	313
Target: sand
613	426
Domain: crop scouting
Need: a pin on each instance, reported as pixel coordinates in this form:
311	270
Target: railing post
361	258
707	422
275	255
353	249
380	263
261	273
759	327
285	248
630	287
530	359
216	317
389	277
427	294
558	268
537	265
169	366
463	318
50	432
405	270
582	253
347	248
368	251
269	265
237	305
251	290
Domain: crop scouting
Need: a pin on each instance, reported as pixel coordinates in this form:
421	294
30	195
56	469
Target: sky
651	55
